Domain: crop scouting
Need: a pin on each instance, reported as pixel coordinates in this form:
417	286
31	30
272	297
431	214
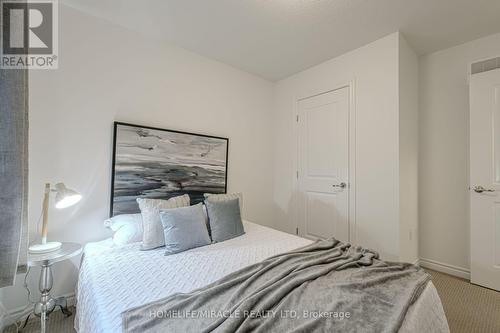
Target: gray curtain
13	172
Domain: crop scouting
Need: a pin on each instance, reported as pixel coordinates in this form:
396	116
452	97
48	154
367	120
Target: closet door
323	164
485	179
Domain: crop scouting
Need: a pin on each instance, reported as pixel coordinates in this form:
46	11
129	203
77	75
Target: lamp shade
66	197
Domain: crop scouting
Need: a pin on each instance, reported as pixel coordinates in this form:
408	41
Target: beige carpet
468	308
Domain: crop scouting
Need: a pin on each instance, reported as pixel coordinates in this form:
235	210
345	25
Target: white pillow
152	235
127	228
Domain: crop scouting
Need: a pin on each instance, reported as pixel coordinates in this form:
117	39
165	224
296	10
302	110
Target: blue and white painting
160	164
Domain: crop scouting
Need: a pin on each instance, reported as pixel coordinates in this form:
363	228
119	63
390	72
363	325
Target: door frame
351	85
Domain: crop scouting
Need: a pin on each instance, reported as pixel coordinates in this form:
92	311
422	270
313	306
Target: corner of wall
408	150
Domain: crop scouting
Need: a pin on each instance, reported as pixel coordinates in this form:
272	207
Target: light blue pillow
225	219
184	228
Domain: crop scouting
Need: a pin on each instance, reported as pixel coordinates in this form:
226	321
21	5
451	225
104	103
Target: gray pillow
225	197
152	230
184	228
225	219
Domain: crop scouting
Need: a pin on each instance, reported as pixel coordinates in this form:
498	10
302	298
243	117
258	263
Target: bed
113	280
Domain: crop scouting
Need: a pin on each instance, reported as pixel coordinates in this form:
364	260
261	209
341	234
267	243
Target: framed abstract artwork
157	163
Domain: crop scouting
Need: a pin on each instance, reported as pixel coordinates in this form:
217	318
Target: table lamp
65	197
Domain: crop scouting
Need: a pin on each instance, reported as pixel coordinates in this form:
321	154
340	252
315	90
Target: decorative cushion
225	197
184	228
224	219
152	236
127	228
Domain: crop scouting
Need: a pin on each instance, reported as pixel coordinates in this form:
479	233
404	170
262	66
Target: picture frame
157	163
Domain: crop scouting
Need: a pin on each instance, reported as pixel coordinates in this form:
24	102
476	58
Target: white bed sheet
114	280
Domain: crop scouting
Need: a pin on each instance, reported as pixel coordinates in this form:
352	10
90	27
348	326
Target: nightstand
47	304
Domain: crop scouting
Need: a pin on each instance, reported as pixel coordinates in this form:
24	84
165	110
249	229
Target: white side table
47	304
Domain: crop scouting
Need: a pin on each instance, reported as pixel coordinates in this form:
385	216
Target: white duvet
116	279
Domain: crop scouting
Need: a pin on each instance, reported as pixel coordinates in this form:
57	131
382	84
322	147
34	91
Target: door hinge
297	174
297	118
296	231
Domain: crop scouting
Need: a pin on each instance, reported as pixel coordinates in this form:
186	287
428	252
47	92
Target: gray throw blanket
326	286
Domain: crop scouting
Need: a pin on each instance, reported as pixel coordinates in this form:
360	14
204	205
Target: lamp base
44	248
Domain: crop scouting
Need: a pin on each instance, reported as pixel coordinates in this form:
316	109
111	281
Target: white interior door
323	155
485	178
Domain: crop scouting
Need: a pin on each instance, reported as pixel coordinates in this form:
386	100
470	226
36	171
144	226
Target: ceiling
277	38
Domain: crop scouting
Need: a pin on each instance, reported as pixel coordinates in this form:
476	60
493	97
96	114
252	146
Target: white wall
107	73
374	69
443	167
408	151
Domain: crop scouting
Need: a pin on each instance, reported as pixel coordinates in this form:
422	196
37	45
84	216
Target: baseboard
20	313
460	272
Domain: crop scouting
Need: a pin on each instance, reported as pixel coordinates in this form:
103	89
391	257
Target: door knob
480	189
341	185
